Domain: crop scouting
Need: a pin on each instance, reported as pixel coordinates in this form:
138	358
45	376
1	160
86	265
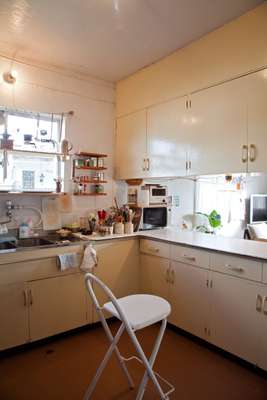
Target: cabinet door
118	268
234	319
14	329
57	305
218	130
256	85
262	327
167	139
154	275
131	146
189	297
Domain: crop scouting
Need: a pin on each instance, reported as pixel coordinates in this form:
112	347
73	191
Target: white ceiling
109	39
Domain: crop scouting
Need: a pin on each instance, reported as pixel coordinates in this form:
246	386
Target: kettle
66	147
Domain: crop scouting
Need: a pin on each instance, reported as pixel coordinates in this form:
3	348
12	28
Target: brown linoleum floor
61	370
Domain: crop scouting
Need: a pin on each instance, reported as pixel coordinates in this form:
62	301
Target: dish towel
89	259
67	261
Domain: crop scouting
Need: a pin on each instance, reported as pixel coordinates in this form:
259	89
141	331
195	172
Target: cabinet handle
252	153
172	276
244	153
31	298
153	249
259	303
186	165
186	104
239	270
264	308
189	165
190	104
25	294
144	164
189	258
167	276
148	164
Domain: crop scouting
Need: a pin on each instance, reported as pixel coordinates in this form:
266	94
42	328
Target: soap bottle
24	230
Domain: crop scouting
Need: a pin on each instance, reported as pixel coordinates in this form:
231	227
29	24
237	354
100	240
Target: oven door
154	217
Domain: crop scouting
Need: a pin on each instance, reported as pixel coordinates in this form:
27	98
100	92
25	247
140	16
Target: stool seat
141	310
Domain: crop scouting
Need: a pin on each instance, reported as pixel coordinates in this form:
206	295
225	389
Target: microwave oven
153	217
158	194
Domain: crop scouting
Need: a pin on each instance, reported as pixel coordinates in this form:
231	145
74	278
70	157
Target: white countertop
247	248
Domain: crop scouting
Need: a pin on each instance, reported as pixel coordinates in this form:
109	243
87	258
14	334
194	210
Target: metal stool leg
108	354
146	362
152	359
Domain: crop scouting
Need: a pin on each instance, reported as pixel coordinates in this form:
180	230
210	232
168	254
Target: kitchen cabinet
262	326
14	329
131	146
167	138
155	275
56	305
234	317
256	87
217	134
189	298
118	268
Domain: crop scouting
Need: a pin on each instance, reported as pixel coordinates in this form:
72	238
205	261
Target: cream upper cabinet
131	146
234	316
218	130
167	138
56	305
189	298
256	85
14	329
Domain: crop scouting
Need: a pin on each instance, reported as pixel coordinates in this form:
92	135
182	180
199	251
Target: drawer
237	266
265	273
155	248
189	255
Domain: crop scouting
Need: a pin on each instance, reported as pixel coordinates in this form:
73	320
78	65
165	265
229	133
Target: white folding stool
135	312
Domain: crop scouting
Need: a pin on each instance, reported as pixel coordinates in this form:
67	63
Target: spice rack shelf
92	164
90	194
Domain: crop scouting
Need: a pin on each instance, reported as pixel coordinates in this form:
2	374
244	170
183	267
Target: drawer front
237	266
265	273
189	255
155	248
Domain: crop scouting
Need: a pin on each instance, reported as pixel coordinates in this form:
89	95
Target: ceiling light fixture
10	76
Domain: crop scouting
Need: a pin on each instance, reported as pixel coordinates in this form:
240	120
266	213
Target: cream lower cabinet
118	268
234	317
155	275
189	298
56	305
14	328
262	325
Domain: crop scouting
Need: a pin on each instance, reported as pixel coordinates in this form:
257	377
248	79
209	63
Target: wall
90	129
230	51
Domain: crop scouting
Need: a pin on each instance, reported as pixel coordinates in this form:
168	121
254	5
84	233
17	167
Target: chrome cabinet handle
25	294
189	258
148	164
172	276
264	308
144	165
153	249
252	153
31	298
167	276
244	153
239	270
258	302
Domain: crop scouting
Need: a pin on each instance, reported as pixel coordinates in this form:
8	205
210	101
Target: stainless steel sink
33	242
7	247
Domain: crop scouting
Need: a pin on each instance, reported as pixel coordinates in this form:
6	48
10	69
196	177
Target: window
33	164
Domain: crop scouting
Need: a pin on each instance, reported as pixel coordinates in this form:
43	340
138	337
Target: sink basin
33	242
7	247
